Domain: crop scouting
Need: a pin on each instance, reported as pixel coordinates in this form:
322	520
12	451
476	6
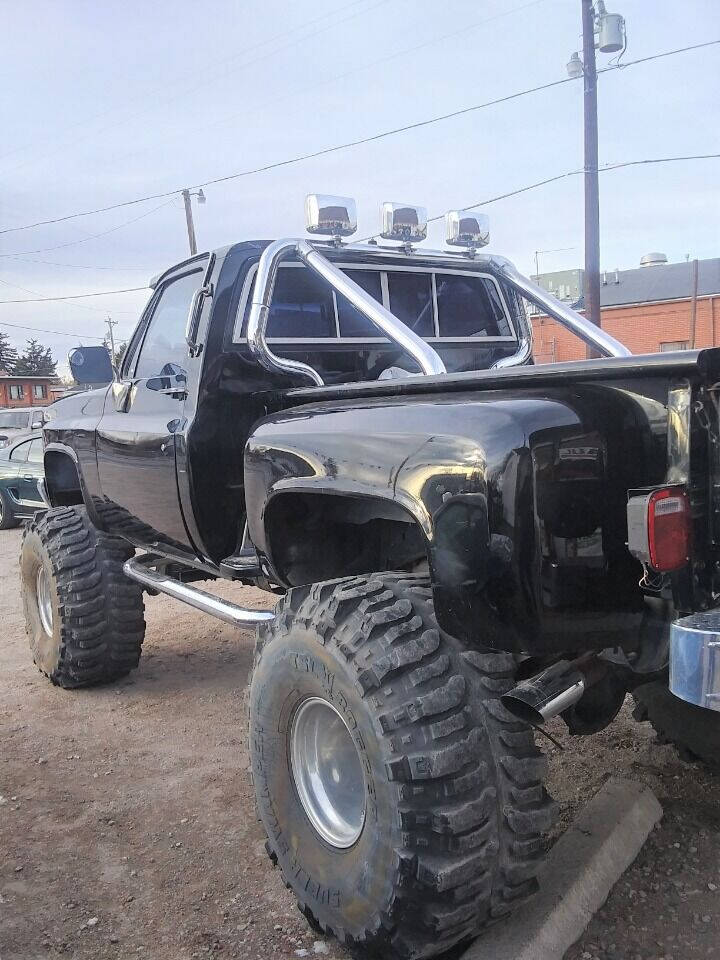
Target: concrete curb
580	872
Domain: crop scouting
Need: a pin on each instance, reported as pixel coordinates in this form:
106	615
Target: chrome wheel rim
327	772
44	600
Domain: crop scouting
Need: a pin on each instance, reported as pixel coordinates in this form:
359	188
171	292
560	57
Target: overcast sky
105	102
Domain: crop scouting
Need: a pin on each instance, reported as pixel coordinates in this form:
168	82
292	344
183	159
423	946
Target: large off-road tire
7	516
83	616
451	783
693	730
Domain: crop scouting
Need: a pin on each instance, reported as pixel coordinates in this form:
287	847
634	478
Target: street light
606	32
186	194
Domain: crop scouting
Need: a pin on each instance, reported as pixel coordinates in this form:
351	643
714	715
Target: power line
76	296
184	92
74	266
58	333
92	236
349	144
480	203
563	176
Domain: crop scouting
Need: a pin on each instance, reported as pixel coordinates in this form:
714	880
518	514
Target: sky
107	102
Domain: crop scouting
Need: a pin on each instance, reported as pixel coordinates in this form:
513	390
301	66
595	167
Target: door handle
28	476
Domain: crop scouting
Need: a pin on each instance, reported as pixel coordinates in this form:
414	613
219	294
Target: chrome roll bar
421	352
594	336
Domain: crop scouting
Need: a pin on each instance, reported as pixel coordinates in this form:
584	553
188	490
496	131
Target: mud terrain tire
455	806
93	611
694	731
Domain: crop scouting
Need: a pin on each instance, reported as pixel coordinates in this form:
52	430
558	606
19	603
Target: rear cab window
437	305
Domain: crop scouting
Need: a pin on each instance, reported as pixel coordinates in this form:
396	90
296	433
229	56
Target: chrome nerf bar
140	570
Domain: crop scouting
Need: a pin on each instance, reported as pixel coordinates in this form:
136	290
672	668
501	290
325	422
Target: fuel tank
520	497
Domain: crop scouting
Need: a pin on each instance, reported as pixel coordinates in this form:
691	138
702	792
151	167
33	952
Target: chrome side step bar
140	570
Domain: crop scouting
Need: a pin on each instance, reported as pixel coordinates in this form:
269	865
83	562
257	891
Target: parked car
466	545
21	420
21	476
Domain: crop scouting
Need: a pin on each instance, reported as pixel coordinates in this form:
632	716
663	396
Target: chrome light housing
403	221
467	229
333	216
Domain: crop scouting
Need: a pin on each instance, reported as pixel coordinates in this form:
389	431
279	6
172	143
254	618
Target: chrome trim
193	319
139	569
333	216
423	354
594	336
695	659
406	222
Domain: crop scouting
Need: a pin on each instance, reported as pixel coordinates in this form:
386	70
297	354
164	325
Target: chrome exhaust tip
547	694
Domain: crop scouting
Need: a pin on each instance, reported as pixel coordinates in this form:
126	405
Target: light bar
403	221
332	216
466	229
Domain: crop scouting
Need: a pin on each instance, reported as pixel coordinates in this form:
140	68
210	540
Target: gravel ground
127	826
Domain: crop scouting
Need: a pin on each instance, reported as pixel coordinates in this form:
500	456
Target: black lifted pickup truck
463	545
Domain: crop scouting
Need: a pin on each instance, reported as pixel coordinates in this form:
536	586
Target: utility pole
110	324
611	38
186	195
592	197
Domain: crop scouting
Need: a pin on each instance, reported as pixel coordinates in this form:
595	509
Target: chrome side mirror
403	221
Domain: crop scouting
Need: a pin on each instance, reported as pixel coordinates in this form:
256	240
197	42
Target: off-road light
403	221
466	229
331	216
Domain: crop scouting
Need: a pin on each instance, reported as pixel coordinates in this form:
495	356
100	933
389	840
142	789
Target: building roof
26	376
664	281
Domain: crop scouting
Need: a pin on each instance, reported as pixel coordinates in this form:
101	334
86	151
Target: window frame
20	388
25	443
239	336
41	388
137	341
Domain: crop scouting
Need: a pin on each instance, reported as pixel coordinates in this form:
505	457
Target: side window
411	300
35	454
20	452
469	307
302	306
352	322
164	343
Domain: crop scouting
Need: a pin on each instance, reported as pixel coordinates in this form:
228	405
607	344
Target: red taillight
668	530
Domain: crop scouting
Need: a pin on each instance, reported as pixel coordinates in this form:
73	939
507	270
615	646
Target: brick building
658	306
27	391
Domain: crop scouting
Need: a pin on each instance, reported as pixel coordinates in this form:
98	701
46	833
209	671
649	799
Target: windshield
14	419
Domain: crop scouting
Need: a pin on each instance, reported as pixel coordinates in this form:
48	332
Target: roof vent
653	259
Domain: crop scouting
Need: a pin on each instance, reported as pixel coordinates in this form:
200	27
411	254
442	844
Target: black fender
519	500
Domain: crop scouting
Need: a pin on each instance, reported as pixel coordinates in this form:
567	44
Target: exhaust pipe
547	694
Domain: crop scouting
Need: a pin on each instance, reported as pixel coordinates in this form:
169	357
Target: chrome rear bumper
695	659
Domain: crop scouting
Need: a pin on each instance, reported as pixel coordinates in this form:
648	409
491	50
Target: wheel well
320	536
62	479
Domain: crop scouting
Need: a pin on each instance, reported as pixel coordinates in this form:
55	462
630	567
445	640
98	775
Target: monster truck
463	545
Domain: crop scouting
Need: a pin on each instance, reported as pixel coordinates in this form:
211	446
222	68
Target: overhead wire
480	203
349	144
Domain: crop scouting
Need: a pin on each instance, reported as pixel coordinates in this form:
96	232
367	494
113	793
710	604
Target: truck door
30	474
142	417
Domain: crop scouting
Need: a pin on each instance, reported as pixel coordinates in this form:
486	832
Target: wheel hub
44	600
327	772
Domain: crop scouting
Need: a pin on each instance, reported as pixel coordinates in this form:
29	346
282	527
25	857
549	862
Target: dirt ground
127	826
